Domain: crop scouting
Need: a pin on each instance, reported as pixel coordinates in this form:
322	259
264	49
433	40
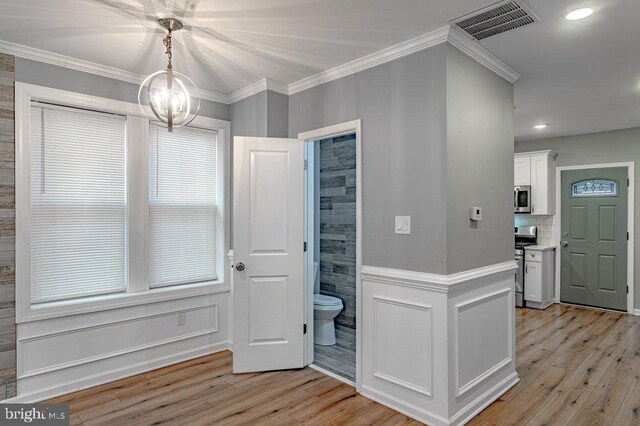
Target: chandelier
172	97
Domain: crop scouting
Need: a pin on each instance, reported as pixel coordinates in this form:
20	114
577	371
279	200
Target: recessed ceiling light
579	14
540	126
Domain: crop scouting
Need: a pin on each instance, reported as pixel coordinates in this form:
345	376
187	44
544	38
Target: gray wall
42	74
249	116
402	105
264	114
277	115
479	164
595	148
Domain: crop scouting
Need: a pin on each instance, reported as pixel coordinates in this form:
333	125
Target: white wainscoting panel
438	348
61	355
480	326
394	354
404	347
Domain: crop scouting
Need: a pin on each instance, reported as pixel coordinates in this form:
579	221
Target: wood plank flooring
203	391
577	367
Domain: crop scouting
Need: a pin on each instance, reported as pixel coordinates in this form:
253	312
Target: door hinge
305	246
306	164
304	329
627	289
627	236
627	182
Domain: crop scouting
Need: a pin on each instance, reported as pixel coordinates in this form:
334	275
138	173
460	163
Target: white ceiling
579	77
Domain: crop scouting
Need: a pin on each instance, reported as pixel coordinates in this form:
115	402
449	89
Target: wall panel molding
379	345
437	282
466	320
462	388
104	329
104	376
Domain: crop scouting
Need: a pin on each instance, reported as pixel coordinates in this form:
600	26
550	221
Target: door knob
564	244
240	267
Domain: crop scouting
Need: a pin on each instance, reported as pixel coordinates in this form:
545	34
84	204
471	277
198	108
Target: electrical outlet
182	318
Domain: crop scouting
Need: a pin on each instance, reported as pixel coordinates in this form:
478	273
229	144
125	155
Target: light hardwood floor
204	392
577	367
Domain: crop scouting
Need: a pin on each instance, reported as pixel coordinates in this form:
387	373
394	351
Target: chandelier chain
167	44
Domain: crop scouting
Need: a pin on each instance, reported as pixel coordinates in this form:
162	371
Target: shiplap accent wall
7	229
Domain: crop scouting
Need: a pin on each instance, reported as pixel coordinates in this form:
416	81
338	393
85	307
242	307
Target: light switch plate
403	225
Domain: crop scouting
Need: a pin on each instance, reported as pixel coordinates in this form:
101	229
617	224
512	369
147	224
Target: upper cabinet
522	175
537	169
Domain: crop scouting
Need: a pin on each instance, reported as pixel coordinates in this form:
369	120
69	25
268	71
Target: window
182	206
77	203
594	188
112	211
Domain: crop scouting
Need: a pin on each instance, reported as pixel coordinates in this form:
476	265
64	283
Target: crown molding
374	59
69	62
442	35
247	91
257	87
481	55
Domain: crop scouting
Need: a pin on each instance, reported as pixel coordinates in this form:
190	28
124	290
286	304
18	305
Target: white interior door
268	251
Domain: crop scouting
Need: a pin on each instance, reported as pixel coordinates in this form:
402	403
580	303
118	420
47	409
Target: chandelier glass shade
167	96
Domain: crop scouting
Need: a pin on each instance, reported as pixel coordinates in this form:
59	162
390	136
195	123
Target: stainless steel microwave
522	199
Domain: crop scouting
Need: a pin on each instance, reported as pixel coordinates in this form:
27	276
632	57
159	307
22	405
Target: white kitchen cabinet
533	278
537	169
539	276
522	170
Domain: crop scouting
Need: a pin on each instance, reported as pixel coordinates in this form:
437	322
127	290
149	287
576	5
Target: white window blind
182	206
78	203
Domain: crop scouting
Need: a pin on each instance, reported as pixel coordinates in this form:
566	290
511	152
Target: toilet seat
324	300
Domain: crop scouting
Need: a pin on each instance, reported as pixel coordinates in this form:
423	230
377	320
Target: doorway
596	249
333	256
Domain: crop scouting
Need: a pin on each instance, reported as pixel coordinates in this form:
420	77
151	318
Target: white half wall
61	355
439	348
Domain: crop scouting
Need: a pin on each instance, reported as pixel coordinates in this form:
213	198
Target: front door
594	237
268	251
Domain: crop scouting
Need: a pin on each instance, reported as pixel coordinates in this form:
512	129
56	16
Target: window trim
138	291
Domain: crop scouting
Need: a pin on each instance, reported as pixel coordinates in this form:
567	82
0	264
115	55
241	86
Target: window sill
119	300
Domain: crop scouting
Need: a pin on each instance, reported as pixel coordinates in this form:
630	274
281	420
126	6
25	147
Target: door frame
630	165
346	128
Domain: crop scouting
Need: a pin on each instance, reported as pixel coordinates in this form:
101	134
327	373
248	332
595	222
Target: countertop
540	248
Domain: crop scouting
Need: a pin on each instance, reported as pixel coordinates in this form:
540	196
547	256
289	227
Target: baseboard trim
403	407
636	312
460	418
484	400
118	373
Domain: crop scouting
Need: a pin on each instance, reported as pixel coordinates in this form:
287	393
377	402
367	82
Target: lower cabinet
539	276
533	280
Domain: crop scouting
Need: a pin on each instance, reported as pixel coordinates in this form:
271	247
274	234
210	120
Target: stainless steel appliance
522	199
524	236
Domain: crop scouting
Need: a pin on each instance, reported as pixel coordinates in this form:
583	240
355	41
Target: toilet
325	309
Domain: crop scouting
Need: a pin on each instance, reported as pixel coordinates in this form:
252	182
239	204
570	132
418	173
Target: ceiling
579	77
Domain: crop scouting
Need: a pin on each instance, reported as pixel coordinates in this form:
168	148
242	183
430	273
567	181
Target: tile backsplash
546	227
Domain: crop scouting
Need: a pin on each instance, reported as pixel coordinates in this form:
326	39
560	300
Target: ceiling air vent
497	19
